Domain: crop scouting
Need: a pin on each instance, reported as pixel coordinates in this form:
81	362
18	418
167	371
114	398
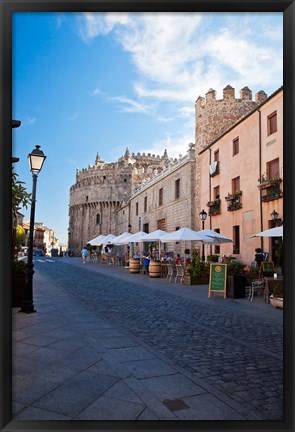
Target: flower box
233	207
195	280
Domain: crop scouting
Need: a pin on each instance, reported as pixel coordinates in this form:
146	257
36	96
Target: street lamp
203	216
274	216
36	159
129	228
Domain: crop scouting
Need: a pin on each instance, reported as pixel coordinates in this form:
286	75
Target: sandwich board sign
217	282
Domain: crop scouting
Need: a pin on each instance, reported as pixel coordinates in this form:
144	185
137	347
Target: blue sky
88	83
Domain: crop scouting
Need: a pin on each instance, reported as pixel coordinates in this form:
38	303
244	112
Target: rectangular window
136	208
177	188
272	123
217	247
145	204
161	223
216	192
236	142
273	169
98	218
216	155
236	239
161	197
235	184
146	228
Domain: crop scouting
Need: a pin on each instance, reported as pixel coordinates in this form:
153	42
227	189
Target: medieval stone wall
101	189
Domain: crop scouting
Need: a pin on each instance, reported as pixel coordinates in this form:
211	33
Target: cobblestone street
235	347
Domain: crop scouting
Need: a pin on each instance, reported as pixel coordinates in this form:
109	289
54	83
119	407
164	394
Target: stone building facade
102	189
166	201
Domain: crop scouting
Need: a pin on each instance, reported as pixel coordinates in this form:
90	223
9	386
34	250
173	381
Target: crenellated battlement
215	116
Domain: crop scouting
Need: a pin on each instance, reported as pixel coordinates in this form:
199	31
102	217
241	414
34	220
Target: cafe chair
179	273
257	286
170	272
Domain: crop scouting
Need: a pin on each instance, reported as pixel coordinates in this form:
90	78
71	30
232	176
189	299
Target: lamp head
36	160
203	215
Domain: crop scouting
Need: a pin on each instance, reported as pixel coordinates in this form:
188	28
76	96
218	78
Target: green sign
217	278
267	266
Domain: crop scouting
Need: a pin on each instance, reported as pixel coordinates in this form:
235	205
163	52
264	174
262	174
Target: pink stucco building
241	179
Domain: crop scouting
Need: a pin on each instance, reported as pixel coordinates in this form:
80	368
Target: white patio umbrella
137	237
155	236
120	238
214	237
184	234
272	232
109	239
97	240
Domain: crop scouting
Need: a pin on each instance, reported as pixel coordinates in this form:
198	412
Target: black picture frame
7	7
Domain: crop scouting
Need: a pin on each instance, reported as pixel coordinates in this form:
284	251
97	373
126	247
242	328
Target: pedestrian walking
84	253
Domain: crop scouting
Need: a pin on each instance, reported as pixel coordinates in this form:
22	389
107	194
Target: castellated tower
213	117
101	189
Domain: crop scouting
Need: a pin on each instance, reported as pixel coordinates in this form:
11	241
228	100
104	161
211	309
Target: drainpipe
210	184
260	171
210	157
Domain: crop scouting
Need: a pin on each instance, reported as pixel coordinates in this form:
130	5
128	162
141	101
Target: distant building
44	237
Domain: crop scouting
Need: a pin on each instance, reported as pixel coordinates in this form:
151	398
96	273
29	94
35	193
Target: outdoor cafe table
270	283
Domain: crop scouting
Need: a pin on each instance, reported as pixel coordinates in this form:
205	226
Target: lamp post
36	159
203	216
274	216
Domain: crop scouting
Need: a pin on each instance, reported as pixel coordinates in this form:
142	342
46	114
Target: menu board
217	280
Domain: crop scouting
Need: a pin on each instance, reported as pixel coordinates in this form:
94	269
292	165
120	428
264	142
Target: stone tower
101	189
213	117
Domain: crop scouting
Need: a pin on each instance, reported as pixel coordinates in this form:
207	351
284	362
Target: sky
88	83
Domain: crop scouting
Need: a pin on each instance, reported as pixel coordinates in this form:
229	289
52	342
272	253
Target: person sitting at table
178	259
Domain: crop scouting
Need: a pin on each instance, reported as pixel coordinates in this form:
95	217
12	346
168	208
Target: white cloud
179	56
31	120
174	145
131	105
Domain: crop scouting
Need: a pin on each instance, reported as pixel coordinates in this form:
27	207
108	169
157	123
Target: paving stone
76	394
132	353
207	407
105	408
32	413
172	386
121	391
148	368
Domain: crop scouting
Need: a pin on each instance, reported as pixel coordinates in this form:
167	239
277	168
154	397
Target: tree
20	198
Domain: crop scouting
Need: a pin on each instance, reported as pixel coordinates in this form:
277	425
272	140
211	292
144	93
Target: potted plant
236	279
197	271
277	296
19	282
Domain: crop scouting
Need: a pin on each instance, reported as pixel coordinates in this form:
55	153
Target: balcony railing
234	201
265	182
214	207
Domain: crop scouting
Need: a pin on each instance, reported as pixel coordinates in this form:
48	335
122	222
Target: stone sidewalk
70	363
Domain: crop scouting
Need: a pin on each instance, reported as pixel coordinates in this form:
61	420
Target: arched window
98	218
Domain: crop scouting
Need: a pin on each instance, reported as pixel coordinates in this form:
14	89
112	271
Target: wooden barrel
134	265
155	269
